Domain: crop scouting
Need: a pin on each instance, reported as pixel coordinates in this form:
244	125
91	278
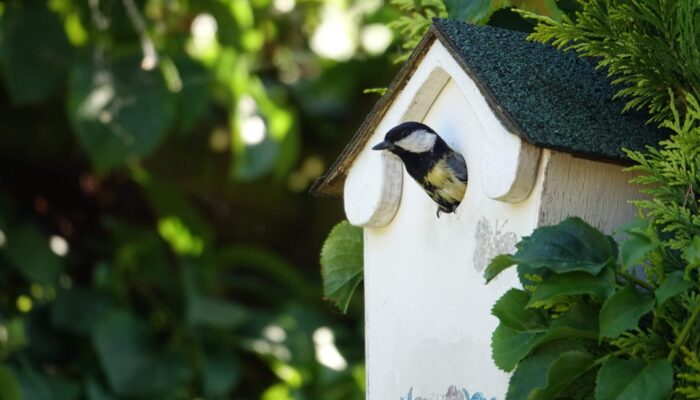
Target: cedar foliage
417	17
650	47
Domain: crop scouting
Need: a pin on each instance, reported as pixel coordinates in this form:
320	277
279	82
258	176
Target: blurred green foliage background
156	238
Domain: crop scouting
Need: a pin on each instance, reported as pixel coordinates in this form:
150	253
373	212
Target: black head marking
409	137
402	130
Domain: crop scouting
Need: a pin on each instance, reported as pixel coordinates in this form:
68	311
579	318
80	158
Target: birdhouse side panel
598	192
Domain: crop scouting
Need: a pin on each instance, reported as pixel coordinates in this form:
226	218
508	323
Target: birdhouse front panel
428	308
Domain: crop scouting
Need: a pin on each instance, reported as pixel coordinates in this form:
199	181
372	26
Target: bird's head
408	137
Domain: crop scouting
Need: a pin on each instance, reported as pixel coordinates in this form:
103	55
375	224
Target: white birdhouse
542	141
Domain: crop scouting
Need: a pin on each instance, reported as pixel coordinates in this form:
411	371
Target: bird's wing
456	163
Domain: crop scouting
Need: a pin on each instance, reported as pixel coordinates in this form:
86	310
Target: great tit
440	170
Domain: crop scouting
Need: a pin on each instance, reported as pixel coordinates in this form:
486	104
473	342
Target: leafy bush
153	159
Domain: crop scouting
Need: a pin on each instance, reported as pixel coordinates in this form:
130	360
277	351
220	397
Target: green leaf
215	313
691	253
9	387
17	336
28	250
674	284
640	242
634	379
119	111
548	372
34	52
128	359
511	312
78	310
221	373
554	287
509	346
342	263
95	391
39	386
497	265
180	223
467	10
121	349
579	322
193	97
622	311
572	245
531	277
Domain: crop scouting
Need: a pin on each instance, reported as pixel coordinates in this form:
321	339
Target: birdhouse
542	140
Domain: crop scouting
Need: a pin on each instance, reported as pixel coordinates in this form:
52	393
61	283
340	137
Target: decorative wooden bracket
372	192
509	167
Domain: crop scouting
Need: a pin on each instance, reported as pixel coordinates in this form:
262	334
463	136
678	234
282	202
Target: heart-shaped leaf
342	263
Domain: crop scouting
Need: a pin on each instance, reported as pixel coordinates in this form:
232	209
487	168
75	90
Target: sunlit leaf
179	223
119	111
9	387
342	263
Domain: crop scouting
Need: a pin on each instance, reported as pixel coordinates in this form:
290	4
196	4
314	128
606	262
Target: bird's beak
382	146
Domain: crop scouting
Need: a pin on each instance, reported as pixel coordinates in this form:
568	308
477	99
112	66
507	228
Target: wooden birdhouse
542	140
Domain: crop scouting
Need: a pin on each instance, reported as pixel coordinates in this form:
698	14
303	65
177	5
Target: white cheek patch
418	142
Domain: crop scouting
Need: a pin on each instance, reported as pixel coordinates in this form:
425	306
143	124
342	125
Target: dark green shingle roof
552	98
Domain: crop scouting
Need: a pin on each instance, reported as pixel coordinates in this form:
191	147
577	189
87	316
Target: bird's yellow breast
446	184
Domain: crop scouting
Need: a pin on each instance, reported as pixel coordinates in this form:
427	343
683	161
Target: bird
437	168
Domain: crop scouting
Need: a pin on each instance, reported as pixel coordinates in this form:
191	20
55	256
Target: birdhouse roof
550	98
